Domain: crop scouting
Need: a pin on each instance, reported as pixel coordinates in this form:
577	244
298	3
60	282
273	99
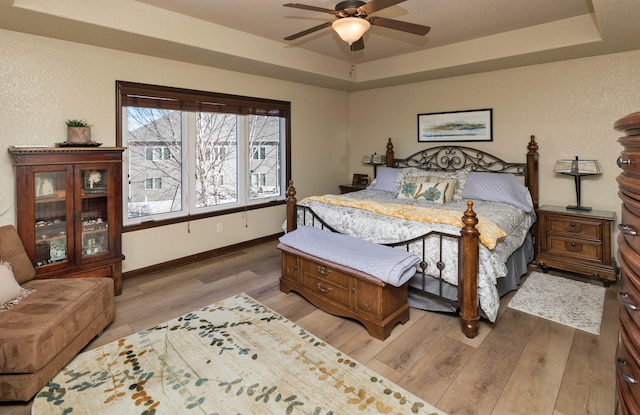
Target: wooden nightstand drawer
576	241
571	226
575	248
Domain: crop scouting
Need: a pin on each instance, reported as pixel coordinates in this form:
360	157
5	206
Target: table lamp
578	168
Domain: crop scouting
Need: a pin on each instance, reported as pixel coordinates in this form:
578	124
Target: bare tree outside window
199	153
216	152
264	140
155	151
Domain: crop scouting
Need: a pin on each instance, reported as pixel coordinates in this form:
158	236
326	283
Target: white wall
46	81
569	106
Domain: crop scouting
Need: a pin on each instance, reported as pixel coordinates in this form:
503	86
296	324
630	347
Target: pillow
9	288
459	175
386	180
429	190
497	187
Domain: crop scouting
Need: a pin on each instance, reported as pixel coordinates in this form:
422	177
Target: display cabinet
69	211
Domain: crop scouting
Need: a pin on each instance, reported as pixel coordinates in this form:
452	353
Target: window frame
194	100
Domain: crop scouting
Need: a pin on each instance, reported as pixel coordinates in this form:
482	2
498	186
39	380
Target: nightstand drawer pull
627	230
623	296
620	362
323	270
622	162
323	290
573	224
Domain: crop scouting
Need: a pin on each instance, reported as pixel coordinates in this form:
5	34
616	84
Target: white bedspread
383	230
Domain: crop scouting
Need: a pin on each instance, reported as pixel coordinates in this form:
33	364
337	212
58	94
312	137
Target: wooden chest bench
345	292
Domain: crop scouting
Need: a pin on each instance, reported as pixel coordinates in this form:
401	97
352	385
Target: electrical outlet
219	227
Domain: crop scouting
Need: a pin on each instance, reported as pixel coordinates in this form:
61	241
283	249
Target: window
158	153
154	183
199	153
258	179
260	153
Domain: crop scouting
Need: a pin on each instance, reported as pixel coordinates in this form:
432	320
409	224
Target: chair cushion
34	331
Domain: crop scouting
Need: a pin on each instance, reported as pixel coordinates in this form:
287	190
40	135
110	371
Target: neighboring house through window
199	153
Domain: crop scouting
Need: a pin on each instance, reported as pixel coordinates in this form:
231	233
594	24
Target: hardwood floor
519	365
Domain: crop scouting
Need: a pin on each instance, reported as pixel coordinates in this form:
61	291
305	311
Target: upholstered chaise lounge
43	332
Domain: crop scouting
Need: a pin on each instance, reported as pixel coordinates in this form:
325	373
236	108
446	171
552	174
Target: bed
468	215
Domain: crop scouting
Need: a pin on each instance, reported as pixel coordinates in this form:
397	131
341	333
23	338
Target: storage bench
344	291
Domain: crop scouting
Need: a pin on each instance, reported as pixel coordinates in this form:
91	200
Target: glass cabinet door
94	210
50	217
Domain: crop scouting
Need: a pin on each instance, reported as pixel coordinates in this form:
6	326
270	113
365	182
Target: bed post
291	207
532	170
532	184
390	153
468	256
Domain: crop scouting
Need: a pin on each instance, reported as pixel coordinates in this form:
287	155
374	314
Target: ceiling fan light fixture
350	29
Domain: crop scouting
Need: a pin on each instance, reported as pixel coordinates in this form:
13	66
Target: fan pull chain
353	66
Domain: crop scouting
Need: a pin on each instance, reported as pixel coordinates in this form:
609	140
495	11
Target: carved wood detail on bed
452	158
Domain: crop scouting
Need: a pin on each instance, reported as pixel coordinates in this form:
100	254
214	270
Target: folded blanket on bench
387	264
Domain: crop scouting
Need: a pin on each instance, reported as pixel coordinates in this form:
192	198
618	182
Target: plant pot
79	134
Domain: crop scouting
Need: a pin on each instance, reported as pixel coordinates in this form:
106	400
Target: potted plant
78	131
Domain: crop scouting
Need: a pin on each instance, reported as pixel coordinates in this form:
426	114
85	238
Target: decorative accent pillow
418	188
459	175
386	180
11	293
9	288
497	187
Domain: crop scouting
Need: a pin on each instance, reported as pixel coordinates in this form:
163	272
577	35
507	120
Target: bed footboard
468	258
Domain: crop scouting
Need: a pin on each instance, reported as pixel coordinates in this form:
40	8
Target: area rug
233	357
572	303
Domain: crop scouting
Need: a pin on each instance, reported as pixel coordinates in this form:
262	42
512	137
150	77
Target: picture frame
361	179
469	125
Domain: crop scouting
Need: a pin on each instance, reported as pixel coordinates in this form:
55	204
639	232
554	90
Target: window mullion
188	167
244	166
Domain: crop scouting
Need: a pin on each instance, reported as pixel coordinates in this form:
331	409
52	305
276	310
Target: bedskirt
517	266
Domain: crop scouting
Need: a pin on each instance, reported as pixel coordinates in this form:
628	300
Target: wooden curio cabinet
69	211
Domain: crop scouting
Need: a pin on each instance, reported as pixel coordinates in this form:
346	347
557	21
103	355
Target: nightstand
576	241
348	188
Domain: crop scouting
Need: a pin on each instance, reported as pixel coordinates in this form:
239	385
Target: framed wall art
471	125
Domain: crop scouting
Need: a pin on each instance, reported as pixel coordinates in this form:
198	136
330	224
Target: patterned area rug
233	357
572	303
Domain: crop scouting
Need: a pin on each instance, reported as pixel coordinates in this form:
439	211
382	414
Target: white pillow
9	288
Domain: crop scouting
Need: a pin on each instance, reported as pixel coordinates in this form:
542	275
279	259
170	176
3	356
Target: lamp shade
350	29
578	167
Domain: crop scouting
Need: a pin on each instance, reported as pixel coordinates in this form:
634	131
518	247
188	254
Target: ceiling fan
354	19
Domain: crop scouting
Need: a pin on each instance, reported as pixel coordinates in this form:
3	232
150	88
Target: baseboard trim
190	259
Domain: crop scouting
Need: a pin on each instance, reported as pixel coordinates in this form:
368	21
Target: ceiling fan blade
416	29
375	5
312	8
308	31
357	45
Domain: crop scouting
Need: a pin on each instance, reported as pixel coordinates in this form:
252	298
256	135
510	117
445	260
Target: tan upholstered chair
42	333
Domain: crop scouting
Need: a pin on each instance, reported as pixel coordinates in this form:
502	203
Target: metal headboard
452	158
